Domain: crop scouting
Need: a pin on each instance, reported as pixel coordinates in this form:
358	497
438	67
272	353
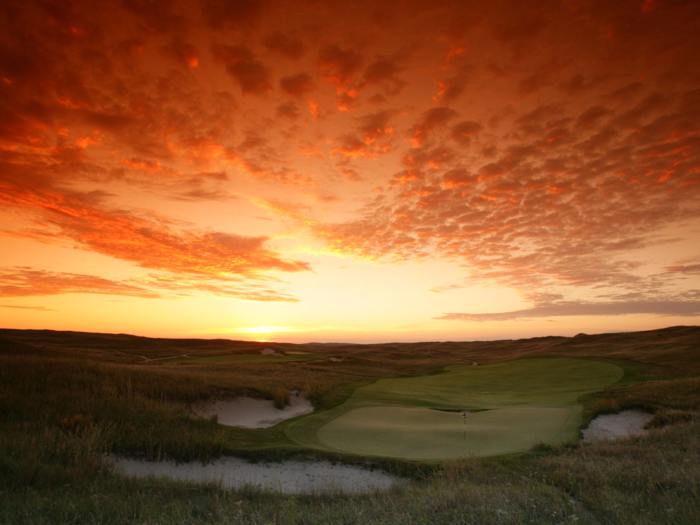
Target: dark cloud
384	72
232	14
250	73
285	45
297	85
288	110
624	93
463	132
592	116
451	88
338	66
430	120
182	52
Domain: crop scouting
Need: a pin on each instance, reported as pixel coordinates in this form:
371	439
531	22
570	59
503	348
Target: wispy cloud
572	308
28	282
37	308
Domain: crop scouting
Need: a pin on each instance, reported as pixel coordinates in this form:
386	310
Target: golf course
400	433
461	412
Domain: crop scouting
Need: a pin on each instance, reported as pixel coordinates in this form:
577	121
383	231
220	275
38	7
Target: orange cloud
26	282
430	120
148	241
551	151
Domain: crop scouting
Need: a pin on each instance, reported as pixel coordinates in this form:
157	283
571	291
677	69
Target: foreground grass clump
653	480
281	398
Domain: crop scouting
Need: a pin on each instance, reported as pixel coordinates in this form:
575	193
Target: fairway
520	403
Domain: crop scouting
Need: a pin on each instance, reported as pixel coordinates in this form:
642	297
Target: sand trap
613	426
269	351
290	477
248	412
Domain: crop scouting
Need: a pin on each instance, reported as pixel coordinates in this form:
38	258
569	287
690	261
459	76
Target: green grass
424	434
527	401
525	382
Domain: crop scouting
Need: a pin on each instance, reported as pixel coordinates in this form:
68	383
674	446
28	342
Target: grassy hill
68	397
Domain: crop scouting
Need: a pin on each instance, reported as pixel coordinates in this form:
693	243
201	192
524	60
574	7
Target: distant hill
677	347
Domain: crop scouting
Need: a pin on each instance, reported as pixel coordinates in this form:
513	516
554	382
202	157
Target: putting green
421	433
523	402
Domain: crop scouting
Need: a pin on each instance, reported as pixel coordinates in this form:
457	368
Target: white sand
248	412
290	477
613	426
269	351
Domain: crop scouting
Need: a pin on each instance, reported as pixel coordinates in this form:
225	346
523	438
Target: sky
404	170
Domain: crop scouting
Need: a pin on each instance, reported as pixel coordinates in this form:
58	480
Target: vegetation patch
526	402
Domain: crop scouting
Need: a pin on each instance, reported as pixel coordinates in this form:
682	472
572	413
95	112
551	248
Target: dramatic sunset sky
349	171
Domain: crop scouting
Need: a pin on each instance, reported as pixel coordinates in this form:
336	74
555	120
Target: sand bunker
290	477
248	412
613	426
269	351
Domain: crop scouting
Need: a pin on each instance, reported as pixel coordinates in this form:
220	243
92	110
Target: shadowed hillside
675	348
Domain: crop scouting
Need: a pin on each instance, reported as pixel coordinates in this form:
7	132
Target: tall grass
653	480
606	406
281	398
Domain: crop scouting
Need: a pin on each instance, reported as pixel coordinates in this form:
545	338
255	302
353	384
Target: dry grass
281	398
606	406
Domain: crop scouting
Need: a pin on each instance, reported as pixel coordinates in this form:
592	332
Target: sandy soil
613	426
290	477
248	412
